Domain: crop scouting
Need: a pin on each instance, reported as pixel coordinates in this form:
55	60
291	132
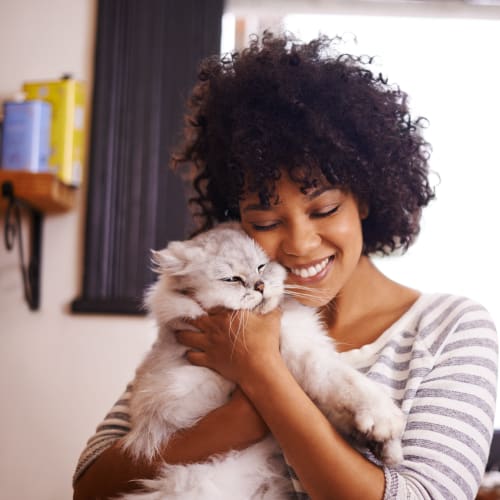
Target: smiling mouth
311	271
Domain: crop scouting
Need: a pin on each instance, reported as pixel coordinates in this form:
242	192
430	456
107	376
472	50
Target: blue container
26	136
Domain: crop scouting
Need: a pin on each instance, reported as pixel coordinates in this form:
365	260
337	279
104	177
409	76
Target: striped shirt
439	363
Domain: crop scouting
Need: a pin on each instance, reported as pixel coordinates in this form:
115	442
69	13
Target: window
145	65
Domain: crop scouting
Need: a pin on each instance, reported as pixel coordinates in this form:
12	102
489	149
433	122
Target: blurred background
61	371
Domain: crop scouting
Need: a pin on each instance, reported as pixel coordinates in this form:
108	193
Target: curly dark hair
305	108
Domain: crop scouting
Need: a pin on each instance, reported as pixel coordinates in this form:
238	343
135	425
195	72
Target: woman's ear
363	209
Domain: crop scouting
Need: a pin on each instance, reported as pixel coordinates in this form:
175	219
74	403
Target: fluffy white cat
224	267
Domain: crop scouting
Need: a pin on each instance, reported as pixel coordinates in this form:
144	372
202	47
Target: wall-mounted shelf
43	192
37	194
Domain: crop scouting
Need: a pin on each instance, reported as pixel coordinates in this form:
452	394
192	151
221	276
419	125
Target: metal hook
13	230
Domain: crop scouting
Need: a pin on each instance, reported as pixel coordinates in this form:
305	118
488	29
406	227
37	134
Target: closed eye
268	227
326	213
261	268
233	279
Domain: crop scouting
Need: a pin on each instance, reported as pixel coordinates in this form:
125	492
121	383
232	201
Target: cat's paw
383	423
391	452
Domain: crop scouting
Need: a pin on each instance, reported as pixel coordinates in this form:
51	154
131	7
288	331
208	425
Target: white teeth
309	272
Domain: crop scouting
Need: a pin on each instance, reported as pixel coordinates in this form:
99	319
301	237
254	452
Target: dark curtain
147	54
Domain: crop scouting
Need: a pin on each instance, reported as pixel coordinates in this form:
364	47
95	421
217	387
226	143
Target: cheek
267	240
348	232
270	247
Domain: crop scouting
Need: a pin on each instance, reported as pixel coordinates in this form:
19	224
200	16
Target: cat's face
224	267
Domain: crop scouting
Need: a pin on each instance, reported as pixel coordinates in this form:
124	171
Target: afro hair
307	109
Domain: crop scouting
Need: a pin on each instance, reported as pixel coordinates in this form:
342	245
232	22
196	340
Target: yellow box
67	98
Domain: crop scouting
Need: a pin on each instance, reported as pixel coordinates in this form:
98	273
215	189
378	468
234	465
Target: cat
225	267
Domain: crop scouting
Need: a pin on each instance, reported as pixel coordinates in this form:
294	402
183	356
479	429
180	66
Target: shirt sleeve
450	423
115	425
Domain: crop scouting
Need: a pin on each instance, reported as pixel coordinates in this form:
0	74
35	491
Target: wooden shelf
37	195
43	191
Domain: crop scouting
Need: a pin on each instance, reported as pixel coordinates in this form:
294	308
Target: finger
197	358
202	322
191	339
195	323
218	310
188	324
207	322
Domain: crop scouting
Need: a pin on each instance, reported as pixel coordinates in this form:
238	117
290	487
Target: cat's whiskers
243	324
293	286
301	291
313	295
231	331
243	313
315	300
297	291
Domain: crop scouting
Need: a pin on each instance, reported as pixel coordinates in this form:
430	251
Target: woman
324	166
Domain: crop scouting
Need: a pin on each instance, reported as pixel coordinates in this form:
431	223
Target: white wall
445	56
451	71
453	81
59	373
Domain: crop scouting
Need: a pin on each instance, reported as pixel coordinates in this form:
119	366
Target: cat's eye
261	268
233	279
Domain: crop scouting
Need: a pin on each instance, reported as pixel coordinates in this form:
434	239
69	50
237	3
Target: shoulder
441	318
437	323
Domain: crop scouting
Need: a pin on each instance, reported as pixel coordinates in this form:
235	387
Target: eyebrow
310	196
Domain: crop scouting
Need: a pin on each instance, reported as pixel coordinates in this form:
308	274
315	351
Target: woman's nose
301	239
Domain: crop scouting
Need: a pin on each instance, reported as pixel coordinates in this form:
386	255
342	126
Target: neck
367	305
357	296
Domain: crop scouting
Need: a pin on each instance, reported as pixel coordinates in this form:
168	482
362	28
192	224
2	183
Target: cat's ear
176	259
170	260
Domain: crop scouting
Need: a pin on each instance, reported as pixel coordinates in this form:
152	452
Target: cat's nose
259	286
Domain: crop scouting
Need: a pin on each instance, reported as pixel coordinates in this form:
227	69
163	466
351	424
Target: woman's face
317	236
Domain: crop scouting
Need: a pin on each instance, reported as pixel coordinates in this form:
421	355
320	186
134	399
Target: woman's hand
233	343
